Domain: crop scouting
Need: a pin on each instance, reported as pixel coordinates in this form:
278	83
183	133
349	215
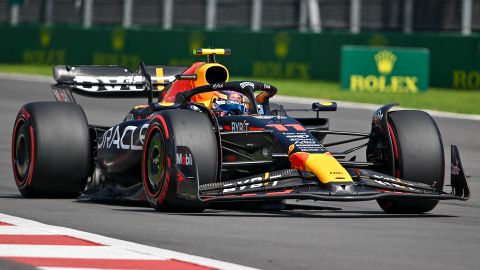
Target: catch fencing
302	15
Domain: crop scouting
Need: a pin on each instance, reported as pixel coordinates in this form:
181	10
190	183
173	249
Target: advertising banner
453	60
385	69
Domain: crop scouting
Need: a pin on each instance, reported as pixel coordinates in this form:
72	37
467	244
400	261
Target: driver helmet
230	103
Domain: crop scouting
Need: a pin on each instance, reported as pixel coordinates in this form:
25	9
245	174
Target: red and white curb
51	247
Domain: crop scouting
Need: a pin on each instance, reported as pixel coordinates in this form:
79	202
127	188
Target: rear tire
168	132
51	150
418	156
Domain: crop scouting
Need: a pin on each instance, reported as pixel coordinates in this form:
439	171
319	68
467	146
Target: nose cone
323	165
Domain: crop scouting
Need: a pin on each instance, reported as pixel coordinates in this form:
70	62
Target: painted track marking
56	248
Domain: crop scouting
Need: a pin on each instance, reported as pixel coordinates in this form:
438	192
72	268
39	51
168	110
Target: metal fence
303	15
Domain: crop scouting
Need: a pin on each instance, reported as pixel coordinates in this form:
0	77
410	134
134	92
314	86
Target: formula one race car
207	140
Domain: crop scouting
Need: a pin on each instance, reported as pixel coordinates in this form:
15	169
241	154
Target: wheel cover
22	152
156	163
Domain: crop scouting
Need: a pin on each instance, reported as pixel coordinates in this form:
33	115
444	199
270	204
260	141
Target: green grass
26	69
442	99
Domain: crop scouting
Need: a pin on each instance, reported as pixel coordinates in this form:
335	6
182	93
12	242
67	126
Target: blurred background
303	15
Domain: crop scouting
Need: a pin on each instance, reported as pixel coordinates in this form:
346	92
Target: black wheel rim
22	152
156	163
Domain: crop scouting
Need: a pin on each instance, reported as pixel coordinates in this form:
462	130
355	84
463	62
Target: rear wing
112	81
117	81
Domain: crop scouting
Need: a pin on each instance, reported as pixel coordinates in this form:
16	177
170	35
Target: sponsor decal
245	84
185	163
267	116
246	184
311	148
217	86
105	83
304	142
184	159
297	135
116	138
379	179
387	178
240	126
393	185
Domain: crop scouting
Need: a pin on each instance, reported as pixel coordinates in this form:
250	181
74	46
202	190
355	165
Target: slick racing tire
418	156
179	144
51	150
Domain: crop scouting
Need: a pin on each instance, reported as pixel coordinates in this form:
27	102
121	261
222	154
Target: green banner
384	69
15	2
454	59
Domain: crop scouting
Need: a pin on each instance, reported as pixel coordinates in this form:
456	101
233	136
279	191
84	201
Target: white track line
279	98
15	230
111	249
373	107
76	252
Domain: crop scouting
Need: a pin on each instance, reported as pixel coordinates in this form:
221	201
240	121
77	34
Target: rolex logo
118	39
281	41
385	61
45	36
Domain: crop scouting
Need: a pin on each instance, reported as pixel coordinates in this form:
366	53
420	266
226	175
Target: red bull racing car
204	140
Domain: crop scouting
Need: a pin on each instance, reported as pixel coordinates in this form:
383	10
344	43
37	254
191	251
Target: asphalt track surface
353	236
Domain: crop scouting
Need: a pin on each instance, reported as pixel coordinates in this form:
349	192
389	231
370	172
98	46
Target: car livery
180	153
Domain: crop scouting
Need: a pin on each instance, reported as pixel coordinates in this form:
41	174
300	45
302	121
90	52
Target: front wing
366	185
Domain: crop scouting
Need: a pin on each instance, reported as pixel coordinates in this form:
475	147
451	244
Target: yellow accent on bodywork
167	103
201	72
159	73
327	168
211	51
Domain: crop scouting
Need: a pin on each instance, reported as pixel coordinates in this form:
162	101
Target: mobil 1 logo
185	162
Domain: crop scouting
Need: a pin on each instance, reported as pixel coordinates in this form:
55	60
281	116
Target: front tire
51	150
418	156
172	133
